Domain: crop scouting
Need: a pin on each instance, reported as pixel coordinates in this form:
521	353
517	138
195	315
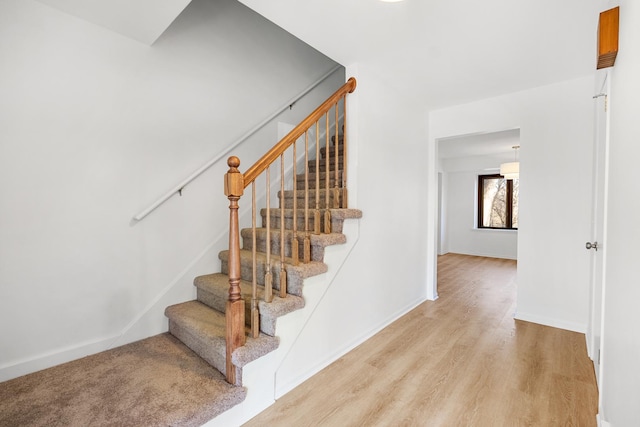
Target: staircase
167	379
201	325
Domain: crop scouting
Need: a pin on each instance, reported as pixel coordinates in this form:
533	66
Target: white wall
556	131
620	371
461	188
93	128
384	276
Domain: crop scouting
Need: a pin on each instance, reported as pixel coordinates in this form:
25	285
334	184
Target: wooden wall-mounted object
608	37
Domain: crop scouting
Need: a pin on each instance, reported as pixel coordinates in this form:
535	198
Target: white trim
284	388
487	255
495	230
52	358
548	321
601	422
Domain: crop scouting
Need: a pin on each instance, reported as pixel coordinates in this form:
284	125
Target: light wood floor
459	361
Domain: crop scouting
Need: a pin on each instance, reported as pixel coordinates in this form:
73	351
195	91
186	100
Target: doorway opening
461	161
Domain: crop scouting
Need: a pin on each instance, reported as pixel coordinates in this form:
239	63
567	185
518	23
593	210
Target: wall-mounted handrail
258	167
178	188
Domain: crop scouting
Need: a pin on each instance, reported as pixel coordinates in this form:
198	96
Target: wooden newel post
233	189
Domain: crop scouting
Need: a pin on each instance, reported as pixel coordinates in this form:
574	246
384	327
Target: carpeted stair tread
153	382
322	164
300	196
332	150
203	330
322	183
323	177
213	291
322	239
341	214
337	218
312	195
295	273
318	242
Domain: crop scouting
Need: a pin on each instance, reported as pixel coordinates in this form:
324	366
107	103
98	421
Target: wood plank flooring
459	361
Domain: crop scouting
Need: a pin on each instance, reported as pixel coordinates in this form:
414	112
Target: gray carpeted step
312	164
300	197
322	178
317	242
295	274
213	291
203	330
332	150
337	218
157	381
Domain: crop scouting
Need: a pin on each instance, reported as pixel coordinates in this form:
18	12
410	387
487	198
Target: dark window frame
509	202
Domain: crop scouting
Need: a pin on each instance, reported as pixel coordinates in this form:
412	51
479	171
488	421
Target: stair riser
288	224
336	223
219	302
322	174
294	284
317	252
215	355
300	184
322	165
288	203
300	196
300	222
332	151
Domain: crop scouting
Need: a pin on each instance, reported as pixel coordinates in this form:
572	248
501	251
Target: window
497	202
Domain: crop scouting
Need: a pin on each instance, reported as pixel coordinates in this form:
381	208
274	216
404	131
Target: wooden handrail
234	184
261	165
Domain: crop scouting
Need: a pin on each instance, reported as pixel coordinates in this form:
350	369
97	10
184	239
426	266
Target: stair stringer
259	377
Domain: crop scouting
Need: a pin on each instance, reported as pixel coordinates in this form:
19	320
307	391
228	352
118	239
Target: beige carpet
154	382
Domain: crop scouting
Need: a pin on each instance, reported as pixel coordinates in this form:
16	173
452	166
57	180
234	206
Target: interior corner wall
620	371
94	127
556	133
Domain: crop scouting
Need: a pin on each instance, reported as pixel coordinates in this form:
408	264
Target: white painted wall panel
93	128
620	371
384	276
556	131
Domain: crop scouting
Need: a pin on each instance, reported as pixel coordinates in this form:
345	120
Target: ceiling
479	145
142	20
448	52
438	52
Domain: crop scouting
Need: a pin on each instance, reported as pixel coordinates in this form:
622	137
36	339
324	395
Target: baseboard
587	340
486	255
53	358
284	388
601	422
143	325
548	321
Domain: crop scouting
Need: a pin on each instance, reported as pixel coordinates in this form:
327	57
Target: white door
598	215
